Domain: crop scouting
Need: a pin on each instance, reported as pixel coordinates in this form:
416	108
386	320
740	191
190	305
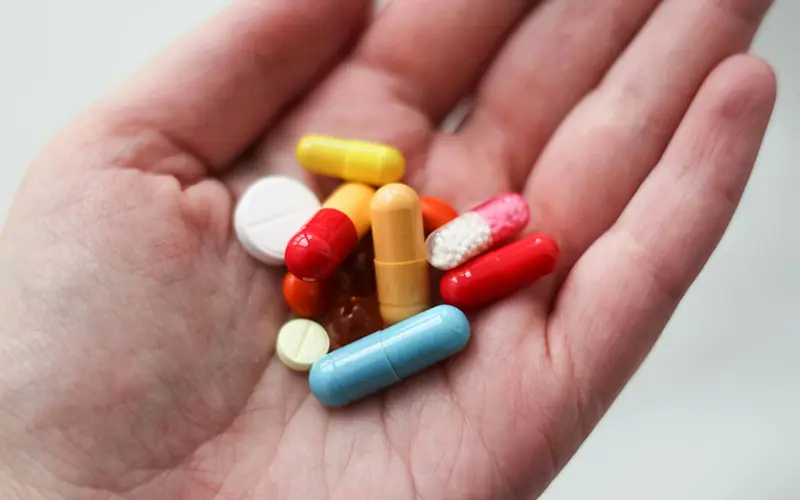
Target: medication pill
354	161
305	298
489	224
301	342
331	234
501	272
356	276
436	213
401	267
269	213
351	319
386	357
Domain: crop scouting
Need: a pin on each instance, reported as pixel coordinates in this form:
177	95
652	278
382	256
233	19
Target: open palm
137	337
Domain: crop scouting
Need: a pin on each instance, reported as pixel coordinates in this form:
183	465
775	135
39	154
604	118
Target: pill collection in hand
359	266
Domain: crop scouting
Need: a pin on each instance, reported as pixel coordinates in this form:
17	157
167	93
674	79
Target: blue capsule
388	356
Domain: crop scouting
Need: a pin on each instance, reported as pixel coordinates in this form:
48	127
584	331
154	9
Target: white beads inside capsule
459	241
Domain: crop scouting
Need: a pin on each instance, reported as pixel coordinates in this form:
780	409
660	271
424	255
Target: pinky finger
646	262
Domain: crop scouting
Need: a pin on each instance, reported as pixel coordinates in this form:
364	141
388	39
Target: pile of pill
359	266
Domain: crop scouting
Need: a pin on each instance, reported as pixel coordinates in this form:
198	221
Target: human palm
138	337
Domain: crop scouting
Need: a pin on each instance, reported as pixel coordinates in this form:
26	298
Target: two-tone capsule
497	220
354	161
500	273
332	234
401	267
384	358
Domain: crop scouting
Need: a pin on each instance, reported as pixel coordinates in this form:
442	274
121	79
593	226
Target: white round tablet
269	213
301	342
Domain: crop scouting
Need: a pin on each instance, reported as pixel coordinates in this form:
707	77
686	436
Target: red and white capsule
500	273
498	219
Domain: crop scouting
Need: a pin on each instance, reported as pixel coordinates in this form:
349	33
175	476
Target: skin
137	338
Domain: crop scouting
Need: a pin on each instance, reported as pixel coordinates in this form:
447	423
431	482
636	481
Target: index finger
213	92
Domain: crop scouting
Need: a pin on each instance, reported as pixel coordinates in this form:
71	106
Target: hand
137	337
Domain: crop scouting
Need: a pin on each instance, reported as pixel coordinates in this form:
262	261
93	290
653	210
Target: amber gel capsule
401	266
356	276
352	319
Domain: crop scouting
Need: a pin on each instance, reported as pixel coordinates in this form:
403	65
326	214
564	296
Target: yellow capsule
354	161
401	266
353	199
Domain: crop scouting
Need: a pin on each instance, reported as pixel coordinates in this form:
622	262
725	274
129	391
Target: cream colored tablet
269	213
301	342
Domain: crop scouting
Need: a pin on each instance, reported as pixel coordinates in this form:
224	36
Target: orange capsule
305	298
352	319
436	213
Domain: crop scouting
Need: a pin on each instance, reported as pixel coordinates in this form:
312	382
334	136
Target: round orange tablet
436	213
305	298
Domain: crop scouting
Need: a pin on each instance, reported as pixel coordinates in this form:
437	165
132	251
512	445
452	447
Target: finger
416	61
213	92
606	148
554	59
621	293
431	51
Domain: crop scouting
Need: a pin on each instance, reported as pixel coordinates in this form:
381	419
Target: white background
713	413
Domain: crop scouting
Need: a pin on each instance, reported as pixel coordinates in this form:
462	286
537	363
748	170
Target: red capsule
321	245
500	273
327	239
